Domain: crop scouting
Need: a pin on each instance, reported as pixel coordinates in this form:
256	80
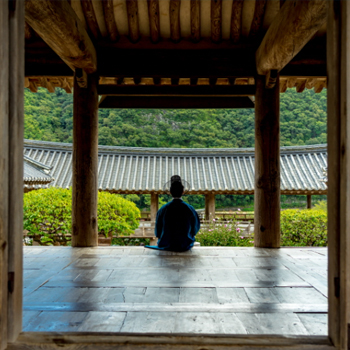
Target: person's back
177	223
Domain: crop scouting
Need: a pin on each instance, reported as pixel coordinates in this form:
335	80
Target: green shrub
131	241
48	214
320	205
303	228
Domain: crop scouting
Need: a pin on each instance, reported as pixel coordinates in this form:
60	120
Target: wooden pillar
85	160
4	175
338	70
267	165
309	202
209	207
16	132
154	206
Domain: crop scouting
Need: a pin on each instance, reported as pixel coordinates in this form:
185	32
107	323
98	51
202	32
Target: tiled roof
146	170
35	173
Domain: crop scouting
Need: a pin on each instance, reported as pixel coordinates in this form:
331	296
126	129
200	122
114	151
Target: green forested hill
303	121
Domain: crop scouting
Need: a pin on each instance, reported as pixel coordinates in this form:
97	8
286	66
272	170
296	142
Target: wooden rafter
109	19
174	12
153	12
300	85
292	28
65	35
216	9
195	21
258	17
90	17
236	20
134	31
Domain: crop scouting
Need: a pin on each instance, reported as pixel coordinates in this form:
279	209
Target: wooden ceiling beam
153	13
175	33
195	21
177	90
216	9
293	27
58	25
175	102
132	10
236	20
110	20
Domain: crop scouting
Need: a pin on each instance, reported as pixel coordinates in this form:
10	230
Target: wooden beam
338	56
84	165
309	201
176	64
154	206
4	170
292	28
109	19
177	90
65	34
174	12
210	207
175	102
195	21
90	17
300	85
216	9
258	18
153	12
15	174
236	20
267	166
132	10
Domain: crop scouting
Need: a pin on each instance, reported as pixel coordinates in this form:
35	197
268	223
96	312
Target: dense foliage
48	214
48	117
298	228
304	228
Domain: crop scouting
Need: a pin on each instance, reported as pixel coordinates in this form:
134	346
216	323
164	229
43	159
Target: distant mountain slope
48	117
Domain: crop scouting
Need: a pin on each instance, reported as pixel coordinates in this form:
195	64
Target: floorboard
203	291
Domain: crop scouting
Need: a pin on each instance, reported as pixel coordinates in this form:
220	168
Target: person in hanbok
177	222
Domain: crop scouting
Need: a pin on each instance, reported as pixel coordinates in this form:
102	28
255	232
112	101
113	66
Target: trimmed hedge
304	228
48	214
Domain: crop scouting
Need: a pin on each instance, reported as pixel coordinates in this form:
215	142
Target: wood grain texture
84	167
15	199
65	35
258	18
153	12
90	17
293	27
110	21
334	151
195	20
4	175
216	8
174	12
236	20
267	166
132	10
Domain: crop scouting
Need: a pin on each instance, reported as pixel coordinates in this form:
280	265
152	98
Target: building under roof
35	174
214	170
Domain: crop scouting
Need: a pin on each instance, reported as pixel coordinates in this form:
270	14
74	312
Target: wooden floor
206	290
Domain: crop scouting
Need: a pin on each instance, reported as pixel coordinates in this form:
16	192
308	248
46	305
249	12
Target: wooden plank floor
204	291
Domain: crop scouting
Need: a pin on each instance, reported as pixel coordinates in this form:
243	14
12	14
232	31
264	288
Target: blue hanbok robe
177	224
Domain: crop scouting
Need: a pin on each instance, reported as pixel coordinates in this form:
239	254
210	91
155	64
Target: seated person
177	222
